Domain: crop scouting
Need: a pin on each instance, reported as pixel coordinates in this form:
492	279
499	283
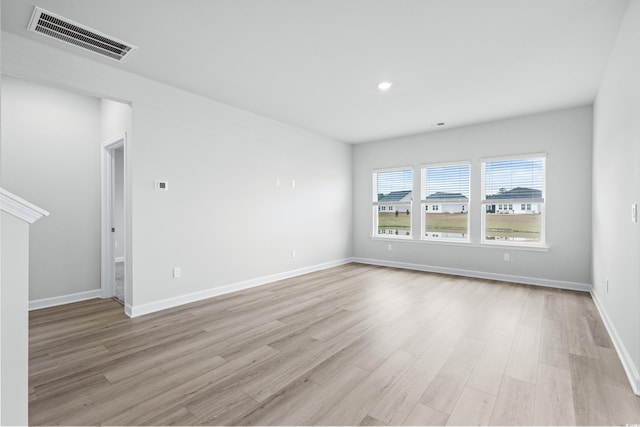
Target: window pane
514	179
514	200
446	190
395	223
448	225
524	227
393	195
394	186
446	181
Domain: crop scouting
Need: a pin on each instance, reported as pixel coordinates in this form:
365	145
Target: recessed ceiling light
384	85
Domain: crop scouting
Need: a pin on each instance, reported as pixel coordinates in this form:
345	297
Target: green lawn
500	226
447	222
390	220
525	226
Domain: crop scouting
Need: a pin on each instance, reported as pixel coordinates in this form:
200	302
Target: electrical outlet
277	182
507	257
634	212
177	272
293	253
389	247
293	183
607	286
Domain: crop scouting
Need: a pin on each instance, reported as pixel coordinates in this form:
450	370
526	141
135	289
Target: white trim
468	244
119	259
107	274
139	310
444	164
63	299
560	284
20	208
393	169
513	157
627	362
405	203
512	201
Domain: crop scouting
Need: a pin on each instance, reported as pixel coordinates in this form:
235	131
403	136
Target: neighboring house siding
447	208
441	202
514	206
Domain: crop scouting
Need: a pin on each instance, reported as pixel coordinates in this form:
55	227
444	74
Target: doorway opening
114	225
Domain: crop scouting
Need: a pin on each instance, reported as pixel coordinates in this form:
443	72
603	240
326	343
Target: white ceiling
316	63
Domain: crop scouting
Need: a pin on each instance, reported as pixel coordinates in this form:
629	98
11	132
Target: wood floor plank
554	397
514	403
443	392
295	367
357	404
523	360
368	420
579	336
590	399
554	345
186	392
309	411
422	415
474	407
396	403
488	371
533	309
355	344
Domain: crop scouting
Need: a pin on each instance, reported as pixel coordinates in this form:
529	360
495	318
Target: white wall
211	154
51	156
115	118
14	320
566	138
616	186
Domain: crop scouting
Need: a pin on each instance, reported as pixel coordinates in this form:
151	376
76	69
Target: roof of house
443	196
518	193
394	196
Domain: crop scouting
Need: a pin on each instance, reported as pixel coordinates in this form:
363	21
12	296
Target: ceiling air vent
61	28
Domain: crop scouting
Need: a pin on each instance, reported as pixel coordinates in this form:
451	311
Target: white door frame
107	270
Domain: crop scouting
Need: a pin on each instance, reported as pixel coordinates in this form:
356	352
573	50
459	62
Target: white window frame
423	203
542	201
377	205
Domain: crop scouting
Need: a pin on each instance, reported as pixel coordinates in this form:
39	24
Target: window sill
501	245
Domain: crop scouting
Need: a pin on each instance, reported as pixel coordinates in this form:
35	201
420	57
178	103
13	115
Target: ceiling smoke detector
60	28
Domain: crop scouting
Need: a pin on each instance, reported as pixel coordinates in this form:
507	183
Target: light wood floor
351	345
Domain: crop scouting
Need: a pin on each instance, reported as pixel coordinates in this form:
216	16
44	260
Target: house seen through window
392	195
513	199
446	189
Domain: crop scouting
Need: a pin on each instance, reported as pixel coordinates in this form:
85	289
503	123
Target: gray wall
51	157
212	155
616	186
566	138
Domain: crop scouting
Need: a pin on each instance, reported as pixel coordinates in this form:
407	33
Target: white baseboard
139	310
478	274
627	362
64	299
